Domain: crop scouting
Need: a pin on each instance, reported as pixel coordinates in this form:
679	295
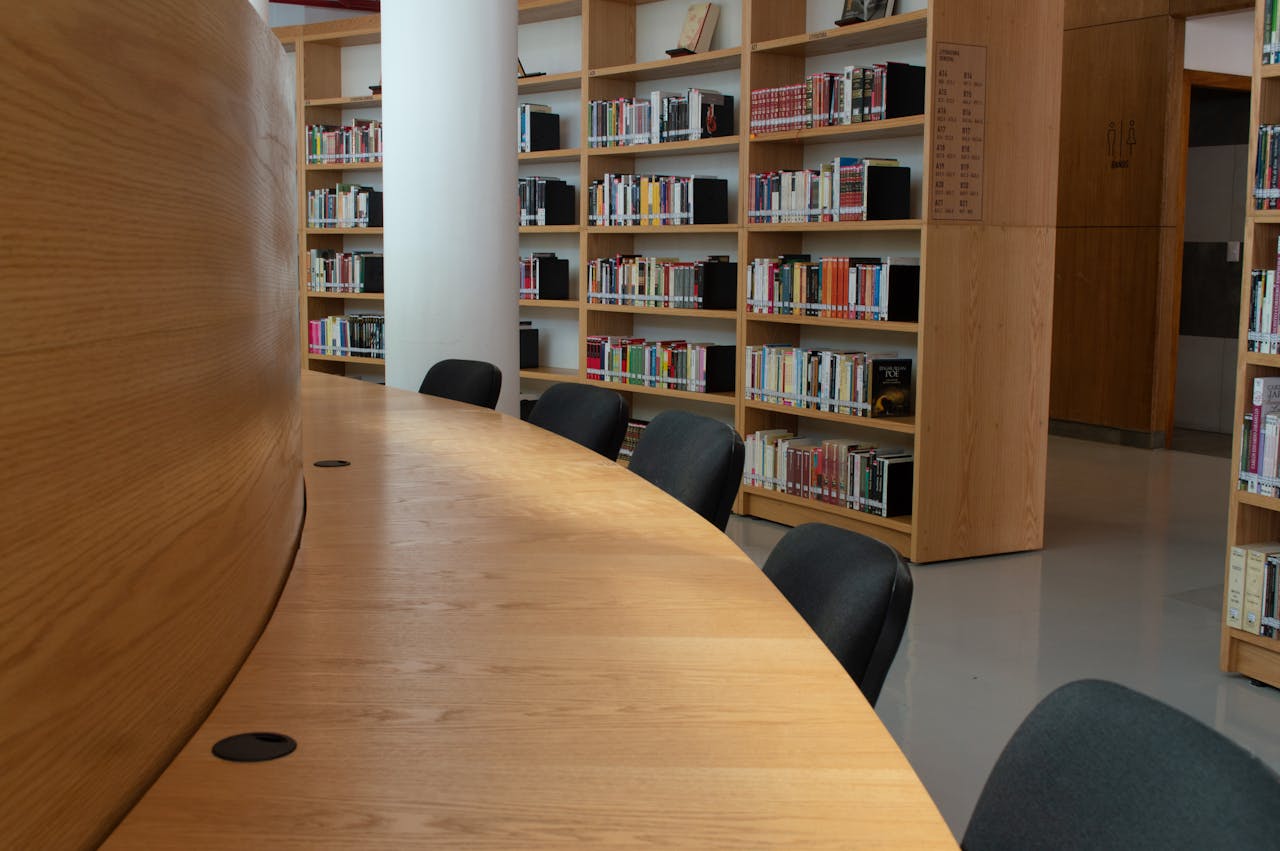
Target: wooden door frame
1173	271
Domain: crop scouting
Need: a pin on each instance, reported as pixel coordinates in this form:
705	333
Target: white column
449	175
260	6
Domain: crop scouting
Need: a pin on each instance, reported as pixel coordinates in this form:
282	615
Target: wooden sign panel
959	129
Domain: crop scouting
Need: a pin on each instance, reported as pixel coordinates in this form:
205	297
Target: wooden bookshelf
550	303
559	155
639	310
318	51
549	83
979	429
1253	518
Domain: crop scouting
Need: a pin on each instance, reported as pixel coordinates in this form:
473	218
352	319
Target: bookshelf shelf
716	145
551	373
897	524
829	322
343	231
550	304
561	155
1252	518
898	28
836	227
536	11
1257	500
347	359
662	311
709	398
665	230
356	102
899	425
728	59
346	296
1259	359
371	166
566	82
892	128
548	229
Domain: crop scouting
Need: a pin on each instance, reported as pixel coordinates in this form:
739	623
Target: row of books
1253	589
653	199
545	201
850	96
1260	438
353	335
660	117
846	473
858	384
344	271
537	128
630	279
543	275
631	439
1271	32
1264	312
869	288
1266	170
347	205
358	142
847	189
667	364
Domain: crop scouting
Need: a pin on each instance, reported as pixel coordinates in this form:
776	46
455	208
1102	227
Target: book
699	25
865	288
1266	400
667	364
709	284
845	473
544	201
656	200
543	275
1234	602
347	205
660	117
353	335
850	96
631	439
538	128
849	189
1254	577
344	271
357	142
890	387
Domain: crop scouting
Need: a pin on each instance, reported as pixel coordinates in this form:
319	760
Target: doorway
1216	178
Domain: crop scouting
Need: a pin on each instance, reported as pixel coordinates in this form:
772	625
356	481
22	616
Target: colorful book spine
856	384
354	335
358	142
665	364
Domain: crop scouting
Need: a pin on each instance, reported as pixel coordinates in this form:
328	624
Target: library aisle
1128	588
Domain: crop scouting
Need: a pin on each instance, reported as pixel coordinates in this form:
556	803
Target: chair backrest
472	381
595	417
854	591
696	459
1097	765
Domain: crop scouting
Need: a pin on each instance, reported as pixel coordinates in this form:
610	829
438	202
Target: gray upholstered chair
854	591
474	382
1097	765
696	459
595	417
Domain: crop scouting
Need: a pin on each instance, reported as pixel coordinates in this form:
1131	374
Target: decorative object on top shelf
699	26
376	90
861	11
524	75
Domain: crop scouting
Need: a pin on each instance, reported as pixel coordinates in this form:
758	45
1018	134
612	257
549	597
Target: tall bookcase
1253	518
327	95
981	343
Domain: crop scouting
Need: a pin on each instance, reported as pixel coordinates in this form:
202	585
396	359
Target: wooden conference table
492	637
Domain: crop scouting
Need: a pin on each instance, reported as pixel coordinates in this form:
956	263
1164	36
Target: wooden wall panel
983	403
1092	13
152	492
1104	330
1124	70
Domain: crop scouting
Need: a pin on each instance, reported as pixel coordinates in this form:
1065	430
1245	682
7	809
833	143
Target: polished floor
1127	588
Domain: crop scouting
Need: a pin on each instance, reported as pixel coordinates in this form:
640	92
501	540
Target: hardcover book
891	387
699	25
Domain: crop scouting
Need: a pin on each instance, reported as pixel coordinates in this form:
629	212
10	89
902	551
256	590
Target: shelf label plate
959	131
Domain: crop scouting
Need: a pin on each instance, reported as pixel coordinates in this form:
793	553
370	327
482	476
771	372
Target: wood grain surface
494	638
151	437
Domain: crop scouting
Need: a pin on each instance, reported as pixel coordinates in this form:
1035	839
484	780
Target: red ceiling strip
354	5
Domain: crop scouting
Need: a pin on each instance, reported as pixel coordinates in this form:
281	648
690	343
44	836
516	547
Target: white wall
288	15
1221	43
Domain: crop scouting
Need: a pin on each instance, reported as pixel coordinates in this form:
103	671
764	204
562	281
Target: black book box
888	192
553	278
721	363
710	201
373	273
719	285
528	346
559	202
903	90
544	131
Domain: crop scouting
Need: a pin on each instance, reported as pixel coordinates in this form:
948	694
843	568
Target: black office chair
1097	765
472	381
854	591
696	459
595	417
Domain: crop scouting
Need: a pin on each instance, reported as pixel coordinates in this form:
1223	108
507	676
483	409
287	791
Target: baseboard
1107	434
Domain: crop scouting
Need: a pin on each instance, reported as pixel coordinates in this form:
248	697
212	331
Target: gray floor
1127	588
